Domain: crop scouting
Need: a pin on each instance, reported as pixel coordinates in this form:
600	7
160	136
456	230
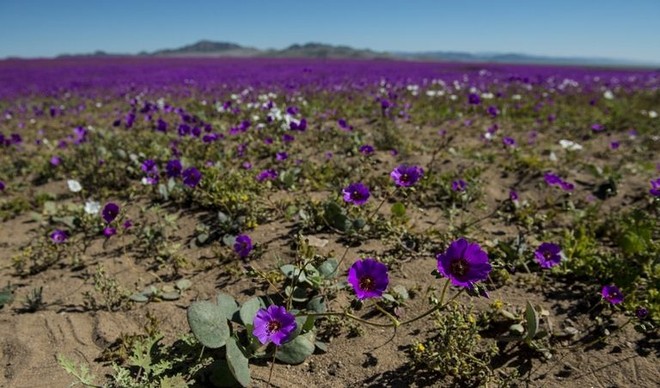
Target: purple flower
597	127
493	111
191	176
109	231
566	186
641	312
2	186
274	324
548	255
474	99
368	278
356	193
551	179
615	145
173	168
286	138
183	130
161	125
281	156
298	126
344	125
55	161
243	246
110	212
513	196
80	134
655	188
366	149
149	167
268	174
58	236
612	294
406	176
464	263
127	224
508	142
459	185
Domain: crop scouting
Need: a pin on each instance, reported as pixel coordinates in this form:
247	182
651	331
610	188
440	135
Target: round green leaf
173	295
183	284
328	268
317	304
238	363
140	298
398	209
296	350
227	304
249	310
208	323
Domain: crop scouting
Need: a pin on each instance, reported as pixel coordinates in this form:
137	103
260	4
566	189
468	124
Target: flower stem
390	316
385	198
395	322
435	308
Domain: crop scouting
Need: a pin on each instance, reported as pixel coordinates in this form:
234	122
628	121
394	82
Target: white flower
74	185
92	207
608	95
653	114
569	145
552	157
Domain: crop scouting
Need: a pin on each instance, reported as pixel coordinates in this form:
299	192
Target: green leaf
532	321
173	295
328	269
183	284
398	210
227	304
229	240
288	270
322	346
317	304
238	363
137	297
162	190
202	238
249	310
359	223
401	291
208	323
335	216
6	296
309	323
296	350
517	328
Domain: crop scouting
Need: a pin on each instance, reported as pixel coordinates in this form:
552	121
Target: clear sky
622	29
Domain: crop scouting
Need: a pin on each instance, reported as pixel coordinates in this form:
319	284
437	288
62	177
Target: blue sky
606	28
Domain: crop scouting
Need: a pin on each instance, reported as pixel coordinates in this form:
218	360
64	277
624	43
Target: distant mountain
515	58
321	50
207	48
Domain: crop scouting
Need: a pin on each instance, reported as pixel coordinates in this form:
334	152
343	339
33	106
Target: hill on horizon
219	49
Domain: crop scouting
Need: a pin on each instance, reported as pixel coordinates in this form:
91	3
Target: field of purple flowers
265	222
